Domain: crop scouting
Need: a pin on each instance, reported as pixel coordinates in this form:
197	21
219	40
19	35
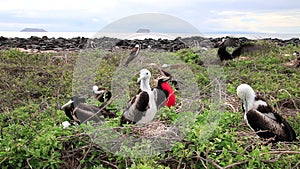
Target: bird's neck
144	85
248	102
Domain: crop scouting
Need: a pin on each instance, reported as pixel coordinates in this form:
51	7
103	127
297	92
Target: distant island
33	30
143	30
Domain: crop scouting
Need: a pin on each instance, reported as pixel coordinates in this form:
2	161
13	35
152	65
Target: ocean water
141	35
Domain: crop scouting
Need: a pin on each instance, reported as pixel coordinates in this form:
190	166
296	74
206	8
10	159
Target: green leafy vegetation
33	87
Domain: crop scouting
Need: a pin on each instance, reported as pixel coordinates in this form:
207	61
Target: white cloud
266	21
206	15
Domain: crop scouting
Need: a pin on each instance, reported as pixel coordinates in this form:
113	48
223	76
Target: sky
259	16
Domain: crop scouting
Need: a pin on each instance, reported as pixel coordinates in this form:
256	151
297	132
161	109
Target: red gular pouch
171	98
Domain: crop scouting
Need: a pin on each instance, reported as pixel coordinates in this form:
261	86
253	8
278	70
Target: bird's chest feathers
151	99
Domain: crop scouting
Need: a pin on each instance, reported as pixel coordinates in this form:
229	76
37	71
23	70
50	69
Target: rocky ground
77	43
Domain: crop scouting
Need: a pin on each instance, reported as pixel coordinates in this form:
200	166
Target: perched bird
133	54
143	107
262	118
224	55
164	86
101	94
77	110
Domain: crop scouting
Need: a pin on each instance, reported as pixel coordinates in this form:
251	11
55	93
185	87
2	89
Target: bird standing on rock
262	118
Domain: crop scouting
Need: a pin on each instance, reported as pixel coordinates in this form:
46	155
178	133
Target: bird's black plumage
78	111
136	109
262	118
170	79
103	96
223	54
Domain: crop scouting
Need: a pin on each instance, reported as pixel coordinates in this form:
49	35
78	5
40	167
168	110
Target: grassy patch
33	86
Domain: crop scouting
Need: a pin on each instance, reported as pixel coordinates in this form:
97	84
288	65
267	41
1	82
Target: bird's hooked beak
141	77
65	105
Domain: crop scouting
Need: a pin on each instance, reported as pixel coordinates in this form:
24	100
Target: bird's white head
95	89
144	79
144	74
247	94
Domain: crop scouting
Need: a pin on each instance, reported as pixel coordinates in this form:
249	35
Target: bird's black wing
136	108
223	54
87	113
142	101
259	124
245	48
270	113
270	124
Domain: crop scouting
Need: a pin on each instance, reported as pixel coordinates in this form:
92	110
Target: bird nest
233	103
156	130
